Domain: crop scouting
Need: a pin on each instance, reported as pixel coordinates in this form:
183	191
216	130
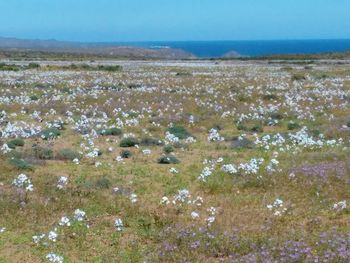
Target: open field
175	161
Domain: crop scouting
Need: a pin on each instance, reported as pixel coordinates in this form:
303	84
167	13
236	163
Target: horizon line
150	41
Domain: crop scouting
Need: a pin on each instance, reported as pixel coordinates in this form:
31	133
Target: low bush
151	141
168	159
125	154
293	125
110	132
179	131
20	164
168	149
50	133
128	142
43	153
67	154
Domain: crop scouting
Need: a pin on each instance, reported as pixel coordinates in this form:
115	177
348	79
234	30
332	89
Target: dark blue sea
209	49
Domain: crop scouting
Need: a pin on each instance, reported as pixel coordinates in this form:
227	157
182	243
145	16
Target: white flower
194	215
165	200
146	151
52	236
64	221
210	220
79	215
340	205
22	181
119	224
229	168
76	161
214	136
54	258
173	170
119	159
37	239
62	182
2	229
133	198
5	148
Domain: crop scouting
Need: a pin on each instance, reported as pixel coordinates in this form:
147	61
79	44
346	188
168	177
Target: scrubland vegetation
175	162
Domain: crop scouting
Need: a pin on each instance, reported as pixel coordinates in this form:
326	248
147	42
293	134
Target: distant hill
15	44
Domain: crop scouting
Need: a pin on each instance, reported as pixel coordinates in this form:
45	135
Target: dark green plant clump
128	142
151	141
50	133
15	142
168	149
43	153
67	154
179	131
293	125
20	164
168	159
110	132
103	183
125	154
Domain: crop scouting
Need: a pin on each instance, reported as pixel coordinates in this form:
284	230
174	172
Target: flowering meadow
175	161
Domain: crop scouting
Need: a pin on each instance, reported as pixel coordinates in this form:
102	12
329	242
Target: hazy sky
144	20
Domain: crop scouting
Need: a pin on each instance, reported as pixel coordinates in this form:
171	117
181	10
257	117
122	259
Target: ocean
212	49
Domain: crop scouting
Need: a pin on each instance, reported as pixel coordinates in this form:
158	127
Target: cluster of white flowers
146	151
182	197
5	148
52	236
52	257
229	168
173	170
277	207
64	221
119	224
133	198
62	182
208	170
340	205
212	216
194	215
22	181
79	215
171	138
214	135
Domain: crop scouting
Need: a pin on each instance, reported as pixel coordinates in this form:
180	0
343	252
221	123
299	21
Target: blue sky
146	20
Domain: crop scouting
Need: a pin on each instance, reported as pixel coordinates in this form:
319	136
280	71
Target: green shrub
151	141
33	66
179	131
270	97
168	149
20	164
50	133
257	128
103	183
14	143
243	143
298	77
110	132
67	154
43	153
293	125
34	97
128	142
125	154
168	159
